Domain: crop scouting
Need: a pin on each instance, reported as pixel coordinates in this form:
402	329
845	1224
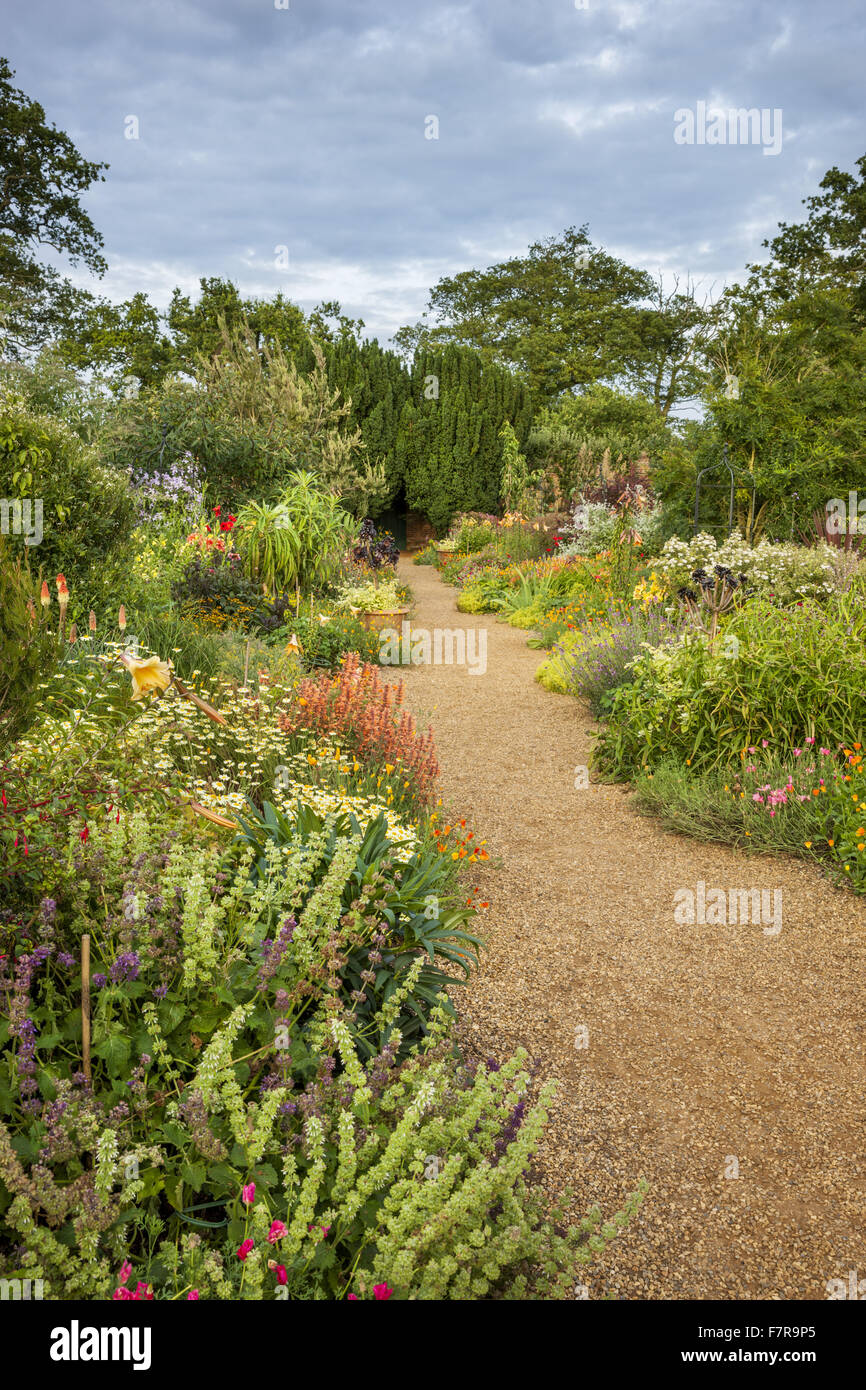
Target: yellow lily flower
148	673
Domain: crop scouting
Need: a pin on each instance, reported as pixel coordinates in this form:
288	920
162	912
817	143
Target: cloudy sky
309	128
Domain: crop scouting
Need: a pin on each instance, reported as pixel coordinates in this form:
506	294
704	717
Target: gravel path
711	1049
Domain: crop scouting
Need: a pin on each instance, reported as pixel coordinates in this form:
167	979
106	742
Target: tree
788	361
198	328
120	341
563	315
42	179
669	365
448	446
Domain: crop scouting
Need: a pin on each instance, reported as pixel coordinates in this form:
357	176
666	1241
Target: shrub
787	572
215	585
598	666
810	803
776	674
326	638
28	642
88	510
296	542
355	703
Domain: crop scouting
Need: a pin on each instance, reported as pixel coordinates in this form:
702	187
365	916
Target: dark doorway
393	519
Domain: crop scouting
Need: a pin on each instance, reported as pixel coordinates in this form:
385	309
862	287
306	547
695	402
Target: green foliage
776	674
449	447
516	481
299	540
562	315
43	178
88	510
324	644
28	642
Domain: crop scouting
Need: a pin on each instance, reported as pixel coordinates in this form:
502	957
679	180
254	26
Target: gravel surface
711	1050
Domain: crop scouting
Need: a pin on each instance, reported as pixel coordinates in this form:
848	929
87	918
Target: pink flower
279	1270
810	740
825	752
121	1294
277	1231
765	743
143	1291
125	1271
192	1296
354	1298
756	796
381	1291
248	1193
244	1250
797	752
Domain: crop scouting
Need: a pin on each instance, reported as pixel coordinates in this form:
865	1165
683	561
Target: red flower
381	1292
217	511
244	1250
84	834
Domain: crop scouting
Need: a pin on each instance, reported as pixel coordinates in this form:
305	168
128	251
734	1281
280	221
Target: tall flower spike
44	595
121	618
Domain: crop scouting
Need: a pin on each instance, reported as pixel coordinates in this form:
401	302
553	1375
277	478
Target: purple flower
65	959
99	981
125	967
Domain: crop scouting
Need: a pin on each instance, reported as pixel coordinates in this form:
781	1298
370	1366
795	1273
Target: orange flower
44	596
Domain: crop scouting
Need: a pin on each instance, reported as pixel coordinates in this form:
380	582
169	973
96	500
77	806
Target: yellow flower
147	674
293	645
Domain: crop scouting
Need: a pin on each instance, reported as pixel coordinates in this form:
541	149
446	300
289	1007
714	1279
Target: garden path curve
709	1048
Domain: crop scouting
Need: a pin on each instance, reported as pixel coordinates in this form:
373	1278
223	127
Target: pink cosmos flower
277	1231
381	1291
248	1193
245	1248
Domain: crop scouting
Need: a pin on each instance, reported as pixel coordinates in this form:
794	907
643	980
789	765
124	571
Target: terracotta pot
374	622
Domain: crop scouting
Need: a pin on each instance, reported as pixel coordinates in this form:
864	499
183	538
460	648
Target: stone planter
375	622
443	554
